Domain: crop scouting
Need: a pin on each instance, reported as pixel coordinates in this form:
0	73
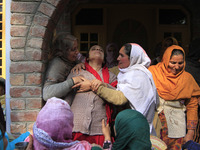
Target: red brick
26	67
17	55
33	79
37	31
17	79
33	54
41	20
17	104
18	19
18	128
34	103
23	7
29	19
35	42
17	116
46	9
31	91
17	91
18	30
17	42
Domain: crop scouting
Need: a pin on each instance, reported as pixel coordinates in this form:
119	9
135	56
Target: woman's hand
189	136
30	144
83	86
95	84
78	68
78	79
106	131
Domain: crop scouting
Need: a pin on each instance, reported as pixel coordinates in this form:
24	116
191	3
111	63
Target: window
172	16
90	16
87	40
2	39
177	35
89	27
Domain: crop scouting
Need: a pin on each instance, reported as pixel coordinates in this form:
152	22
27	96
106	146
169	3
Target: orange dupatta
170	86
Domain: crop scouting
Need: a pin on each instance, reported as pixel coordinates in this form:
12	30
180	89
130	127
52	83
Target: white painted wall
7	36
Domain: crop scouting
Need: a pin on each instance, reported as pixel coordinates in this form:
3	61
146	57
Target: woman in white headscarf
135	83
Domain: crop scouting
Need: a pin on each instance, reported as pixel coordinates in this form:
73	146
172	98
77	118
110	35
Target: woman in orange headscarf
178	92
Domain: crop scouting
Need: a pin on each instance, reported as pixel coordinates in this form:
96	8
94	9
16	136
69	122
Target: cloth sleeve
57	90
112	96
56	83
192	110
114	70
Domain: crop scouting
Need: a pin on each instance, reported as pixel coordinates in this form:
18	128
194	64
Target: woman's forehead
122	50
96	46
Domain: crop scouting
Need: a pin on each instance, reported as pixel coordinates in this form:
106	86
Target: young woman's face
96	52
72	53
176	64
123	59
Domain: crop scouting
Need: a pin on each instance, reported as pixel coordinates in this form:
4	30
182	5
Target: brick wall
32	26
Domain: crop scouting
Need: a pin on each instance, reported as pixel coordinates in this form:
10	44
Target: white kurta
136	83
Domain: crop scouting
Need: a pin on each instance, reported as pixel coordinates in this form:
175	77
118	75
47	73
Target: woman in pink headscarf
53	128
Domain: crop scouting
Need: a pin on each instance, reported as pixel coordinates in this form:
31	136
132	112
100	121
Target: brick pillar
32	25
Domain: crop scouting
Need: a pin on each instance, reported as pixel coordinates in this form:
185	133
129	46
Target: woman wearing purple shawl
53	128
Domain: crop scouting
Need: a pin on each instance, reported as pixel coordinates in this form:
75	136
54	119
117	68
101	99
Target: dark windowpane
84	47
167	34
1	1
93	37
0	35
90	16
0	7
171	16
0	71
0	17
0	62
84	37
0	53
0	26
178	36
0	44
91	44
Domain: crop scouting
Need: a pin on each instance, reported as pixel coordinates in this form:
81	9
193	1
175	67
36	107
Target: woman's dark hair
127	49
2	119
62	43
177	52
2	130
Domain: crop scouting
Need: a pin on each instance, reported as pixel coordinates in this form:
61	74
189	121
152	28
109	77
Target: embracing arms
100	88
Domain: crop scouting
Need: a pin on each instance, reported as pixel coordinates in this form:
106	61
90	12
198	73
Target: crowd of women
97	108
